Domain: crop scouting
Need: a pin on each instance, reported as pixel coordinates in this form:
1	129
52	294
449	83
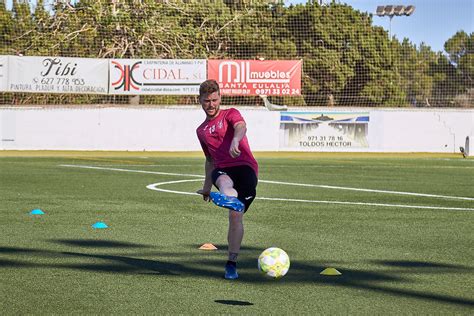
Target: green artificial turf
393	259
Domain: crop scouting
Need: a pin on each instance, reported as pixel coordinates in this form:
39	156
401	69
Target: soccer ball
274	262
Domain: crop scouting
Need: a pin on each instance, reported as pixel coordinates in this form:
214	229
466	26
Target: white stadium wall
173	129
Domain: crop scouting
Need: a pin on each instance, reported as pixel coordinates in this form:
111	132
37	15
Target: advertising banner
3	73
156	76
58	75
256	77
324	130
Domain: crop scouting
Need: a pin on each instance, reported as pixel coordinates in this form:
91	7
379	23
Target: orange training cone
208	247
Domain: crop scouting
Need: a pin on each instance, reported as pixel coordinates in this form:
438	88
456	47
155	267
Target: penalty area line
155	187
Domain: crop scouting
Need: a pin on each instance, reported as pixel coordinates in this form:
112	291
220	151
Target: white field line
131	170
283	183
373	190
155	186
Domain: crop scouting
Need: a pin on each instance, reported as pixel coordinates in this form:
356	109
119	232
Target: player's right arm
208	168
207	185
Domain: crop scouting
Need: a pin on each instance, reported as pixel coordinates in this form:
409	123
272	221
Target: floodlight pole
390	27
391	11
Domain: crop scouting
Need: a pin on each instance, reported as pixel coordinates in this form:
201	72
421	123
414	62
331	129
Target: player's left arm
240	128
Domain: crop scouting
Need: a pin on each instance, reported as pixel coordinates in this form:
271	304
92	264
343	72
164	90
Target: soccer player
229	165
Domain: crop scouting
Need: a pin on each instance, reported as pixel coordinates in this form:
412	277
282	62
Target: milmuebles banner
257	77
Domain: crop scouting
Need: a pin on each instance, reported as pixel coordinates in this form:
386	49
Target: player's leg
227	195
244	183
226	185
235	235
236	229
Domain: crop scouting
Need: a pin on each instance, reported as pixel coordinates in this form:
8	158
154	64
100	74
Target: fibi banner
256	77
57	75
156	76
3	73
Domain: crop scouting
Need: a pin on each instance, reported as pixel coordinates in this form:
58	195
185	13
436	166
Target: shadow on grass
93	243
212	267
135	265
15	250
224	247
4	263
419	264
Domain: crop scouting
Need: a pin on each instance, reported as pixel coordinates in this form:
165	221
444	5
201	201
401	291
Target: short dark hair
207	87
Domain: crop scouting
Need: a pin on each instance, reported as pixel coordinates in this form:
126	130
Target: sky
433	22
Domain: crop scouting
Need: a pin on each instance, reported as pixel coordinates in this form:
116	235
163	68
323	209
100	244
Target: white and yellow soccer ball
274	262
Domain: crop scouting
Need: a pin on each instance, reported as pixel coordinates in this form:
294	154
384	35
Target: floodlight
394	10
409	10
389	10
380	10
399	9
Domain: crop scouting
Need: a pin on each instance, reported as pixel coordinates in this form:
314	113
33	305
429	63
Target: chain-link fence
347	61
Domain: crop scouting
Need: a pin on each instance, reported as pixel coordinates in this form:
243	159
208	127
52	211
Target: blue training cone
100	225
37	212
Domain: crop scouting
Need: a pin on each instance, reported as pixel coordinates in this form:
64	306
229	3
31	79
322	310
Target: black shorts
245	182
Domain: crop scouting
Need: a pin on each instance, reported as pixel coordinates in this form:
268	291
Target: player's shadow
233	302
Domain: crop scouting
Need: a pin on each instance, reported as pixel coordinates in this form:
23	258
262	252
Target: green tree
347	61
414	67
23	26
453	74
460	49
6	30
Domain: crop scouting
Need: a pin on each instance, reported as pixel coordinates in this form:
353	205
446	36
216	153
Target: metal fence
347	60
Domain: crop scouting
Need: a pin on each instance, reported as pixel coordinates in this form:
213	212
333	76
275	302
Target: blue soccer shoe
230	202
231	272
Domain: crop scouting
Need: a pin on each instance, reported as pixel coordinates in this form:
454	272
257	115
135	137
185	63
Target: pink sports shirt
216	135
